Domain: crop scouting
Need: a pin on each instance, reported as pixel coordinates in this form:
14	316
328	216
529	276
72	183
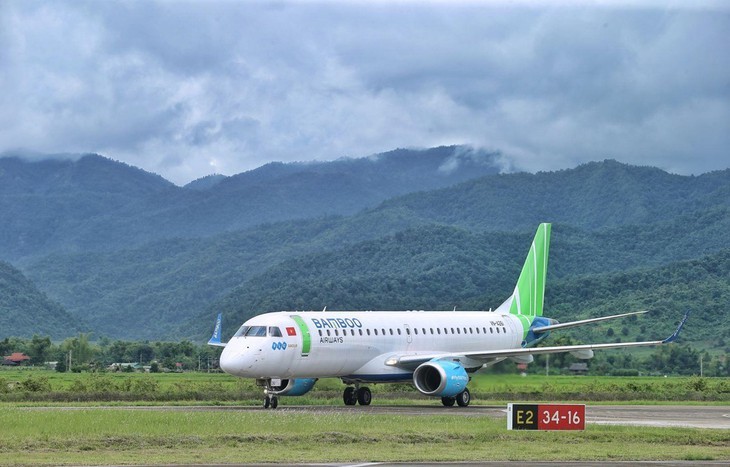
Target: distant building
124	366
579	368
15	359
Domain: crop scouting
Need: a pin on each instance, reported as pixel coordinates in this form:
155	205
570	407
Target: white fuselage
355	345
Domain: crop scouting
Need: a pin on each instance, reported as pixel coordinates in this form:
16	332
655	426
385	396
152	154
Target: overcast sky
185	89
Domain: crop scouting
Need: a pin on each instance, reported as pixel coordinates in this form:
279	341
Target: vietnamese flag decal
291	332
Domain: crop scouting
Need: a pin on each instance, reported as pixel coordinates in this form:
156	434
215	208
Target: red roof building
15	359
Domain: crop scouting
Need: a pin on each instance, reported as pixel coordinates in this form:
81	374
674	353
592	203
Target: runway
692	416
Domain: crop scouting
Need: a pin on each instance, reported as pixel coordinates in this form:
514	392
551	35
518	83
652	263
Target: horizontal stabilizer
571	324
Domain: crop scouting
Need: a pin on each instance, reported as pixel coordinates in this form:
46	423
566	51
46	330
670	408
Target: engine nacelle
440	378
293	387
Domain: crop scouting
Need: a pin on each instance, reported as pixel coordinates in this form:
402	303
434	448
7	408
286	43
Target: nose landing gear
271	402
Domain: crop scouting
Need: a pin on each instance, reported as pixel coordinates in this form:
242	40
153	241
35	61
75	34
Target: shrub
36	384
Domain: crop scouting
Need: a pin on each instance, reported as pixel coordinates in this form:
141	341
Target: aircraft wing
413	360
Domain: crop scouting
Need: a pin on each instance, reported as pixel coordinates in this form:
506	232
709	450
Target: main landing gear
359	395
462	399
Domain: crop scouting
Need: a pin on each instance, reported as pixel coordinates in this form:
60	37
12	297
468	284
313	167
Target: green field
38	429
117	436
28	386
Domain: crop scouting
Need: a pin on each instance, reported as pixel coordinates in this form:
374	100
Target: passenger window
391	332
424	331
399	331
408	331
274	331
383	331
415	330
368	331
491	330
504	330
360	331
337	333
432	330
438	331
452	331
375	331
464	330
497	330
477	330
320	333
458	331
352	332
446	330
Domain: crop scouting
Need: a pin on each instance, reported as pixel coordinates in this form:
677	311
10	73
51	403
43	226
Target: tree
38	349
79	345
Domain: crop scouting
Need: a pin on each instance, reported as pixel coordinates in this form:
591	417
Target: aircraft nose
228	361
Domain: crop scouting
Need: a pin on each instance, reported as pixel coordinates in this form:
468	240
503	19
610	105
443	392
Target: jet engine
292	387
440	378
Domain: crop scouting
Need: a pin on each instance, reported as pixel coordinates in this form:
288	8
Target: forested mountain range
25	307
443	244
96	204
461	273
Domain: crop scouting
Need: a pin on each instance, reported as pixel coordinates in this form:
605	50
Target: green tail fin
529	294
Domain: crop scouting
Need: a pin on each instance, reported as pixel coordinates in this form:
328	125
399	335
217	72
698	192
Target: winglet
674	336
215	339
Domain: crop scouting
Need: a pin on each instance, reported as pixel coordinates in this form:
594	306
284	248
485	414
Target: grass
221	388
54	436
113	436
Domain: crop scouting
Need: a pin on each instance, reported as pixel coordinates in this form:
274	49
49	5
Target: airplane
287	352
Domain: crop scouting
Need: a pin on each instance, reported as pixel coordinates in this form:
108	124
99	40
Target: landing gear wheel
364	396
349	397
274	402
448	401
267	402
463	398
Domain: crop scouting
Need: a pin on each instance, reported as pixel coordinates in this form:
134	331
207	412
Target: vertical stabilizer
529	294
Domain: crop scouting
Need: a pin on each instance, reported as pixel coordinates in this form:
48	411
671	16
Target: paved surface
695	416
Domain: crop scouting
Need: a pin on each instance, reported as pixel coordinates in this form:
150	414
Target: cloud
185	89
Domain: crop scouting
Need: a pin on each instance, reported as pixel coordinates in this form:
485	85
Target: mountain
439	268
591	196
46	205
96	204
25	310
169	281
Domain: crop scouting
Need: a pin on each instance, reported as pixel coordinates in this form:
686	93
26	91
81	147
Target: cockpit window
274	331
241	331
256	331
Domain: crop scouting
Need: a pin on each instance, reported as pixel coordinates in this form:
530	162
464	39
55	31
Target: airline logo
291	332
336	323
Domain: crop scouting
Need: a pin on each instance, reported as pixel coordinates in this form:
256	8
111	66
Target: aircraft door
409	334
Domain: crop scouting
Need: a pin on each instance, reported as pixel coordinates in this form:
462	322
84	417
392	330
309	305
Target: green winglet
529	294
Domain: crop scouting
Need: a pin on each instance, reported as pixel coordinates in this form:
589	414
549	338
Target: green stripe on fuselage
306	338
